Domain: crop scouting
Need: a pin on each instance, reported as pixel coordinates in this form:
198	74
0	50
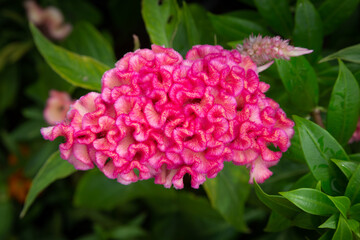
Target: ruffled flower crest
161	116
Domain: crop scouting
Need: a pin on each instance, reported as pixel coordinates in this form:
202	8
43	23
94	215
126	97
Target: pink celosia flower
50	20
356	136
57	105
167	116
263	50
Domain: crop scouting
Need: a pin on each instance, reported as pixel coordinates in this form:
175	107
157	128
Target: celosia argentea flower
167	116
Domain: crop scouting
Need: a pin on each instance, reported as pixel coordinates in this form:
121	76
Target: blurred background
86	205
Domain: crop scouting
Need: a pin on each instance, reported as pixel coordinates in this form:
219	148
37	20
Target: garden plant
165	119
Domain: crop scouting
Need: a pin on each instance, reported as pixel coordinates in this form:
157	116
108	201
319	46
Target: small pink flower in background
265	49
57	105
167	116
50	20
356	136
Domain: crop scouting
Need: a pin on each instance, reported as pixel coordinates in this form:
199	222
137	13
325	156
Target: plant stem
316	114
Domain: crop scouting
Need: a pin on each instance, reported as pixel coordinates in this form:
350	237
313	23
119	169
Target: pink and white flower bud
265	49
57	105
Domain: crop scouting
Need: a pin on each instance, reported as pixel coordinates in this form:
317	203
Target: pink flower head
161	116
356	136
265	49
50	20
57	105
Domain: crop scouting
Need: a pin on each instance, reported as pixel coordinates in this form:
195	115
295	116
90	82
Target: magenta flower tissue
167	116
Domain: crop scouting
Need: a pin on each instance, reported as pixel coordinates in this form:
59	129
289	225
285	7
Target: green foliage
234	183
314	192
311	201
347	167
54	168
94	190
353	188
300	81
229	28
344	105
308	28
86	40
278	204
351	54
161	20
343	230
78	70
277	14
319	147
333	12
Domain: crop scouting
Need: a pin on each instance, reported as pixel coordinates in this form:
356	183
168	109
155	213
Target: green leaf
306	181
343	230
12	52
276	203
161	20
343	110
354	226
331	222
342	203
354	212
54	168
295	152
87	40
248	14
277	223
186	216
300	81
40	89
319	147
228	193
28	130
311	201
308	28
94	189
327	235
284	174
81	71
318	186
351	54
355	157
277	14
334	12
126	232
229	28
191	29
37	160
307	221
33	113
81	10
203	24
347	167
353	188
